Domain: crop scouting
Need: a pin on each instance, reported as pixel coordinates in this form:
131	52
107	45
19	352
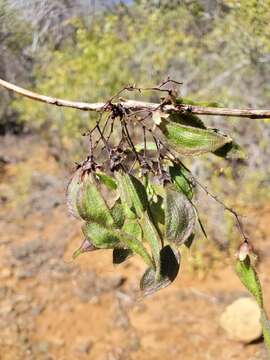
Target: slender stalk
137	105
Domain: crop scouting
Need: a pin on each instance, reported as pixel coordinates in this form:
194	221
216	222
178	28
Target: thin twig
227	208
144	143
103	129
106	144
138	105
130	141
220	202
153	88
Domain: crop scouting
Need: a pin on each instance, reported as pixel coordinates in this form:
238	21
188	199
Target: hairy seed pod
133	228
104	238
180	216
156	209
151	235
91	204
101	237
136	246
188	140
72	193
169	268
118	214
132	193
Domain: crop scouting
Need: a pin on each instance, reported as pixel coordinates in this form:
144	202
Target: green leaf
129	214
120	255
180	217
249	279
90	203
170	263
188	140
182	180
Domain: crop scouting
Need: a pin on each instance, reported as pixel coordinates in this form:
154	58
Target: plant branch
137	105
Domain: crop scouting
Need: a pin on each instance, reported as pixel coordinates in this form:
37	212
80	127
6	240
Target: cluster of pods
129	213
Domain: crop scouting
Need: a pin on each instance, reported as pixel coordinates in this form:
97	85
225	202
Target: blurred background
86	50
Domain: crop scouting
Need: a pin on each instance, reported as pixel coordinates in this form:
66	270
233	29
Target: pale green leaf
157	213
135	246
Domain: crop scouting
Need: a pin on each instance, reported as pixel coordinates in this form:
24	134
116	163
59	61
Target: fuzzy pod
118	214
90	203
72	193
169	268
104	238
189	140
180	217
